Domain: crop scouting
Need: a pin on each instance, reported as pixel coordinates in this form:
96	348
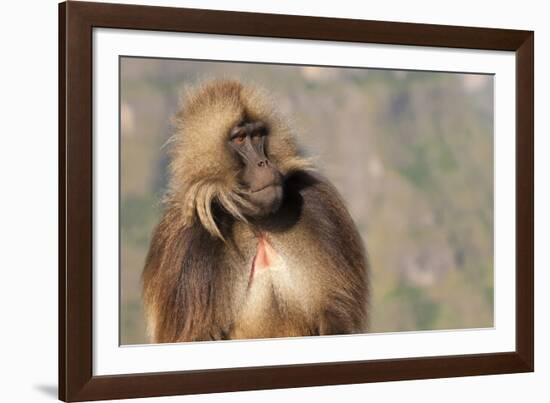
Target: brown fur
197	276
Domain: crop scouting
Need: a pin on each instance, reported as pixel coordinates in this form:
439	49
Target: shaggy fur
199	282
202	170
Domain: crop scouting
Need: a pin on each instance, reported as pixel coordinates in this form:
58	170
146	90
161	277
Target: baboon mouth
265	200
264	187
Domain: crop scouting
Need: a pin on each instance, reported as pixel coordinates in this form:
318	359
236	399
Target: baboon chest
271	273
278	290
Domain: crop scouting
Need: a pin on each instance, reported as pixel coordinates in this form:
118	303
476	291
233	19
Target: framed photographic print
252	201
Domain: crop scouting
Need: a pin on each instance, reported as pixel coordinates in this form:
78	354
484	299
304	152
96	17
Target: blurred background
411	153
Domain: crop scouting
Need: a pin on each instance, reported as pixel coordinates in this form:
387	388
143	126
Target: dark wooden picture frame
76	23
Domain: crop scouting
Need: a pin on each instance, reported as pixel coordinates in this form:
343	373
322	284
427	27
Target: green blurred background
410	152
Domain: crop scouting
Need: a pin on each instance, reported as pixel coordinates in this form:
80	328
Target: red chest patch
265	258
265	255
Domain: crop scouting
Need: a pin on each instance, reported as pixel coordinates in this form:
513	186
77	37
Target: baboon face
259	176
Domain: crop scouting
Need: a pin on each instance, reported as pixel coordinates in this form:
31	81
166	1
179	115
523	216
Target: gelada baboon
253	242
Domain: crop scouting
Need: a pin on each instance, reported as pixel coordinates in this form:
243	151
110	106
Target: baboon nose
263	163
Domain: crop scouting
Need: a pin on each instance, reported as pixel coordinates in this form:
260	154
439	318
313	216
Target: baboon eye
239	139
